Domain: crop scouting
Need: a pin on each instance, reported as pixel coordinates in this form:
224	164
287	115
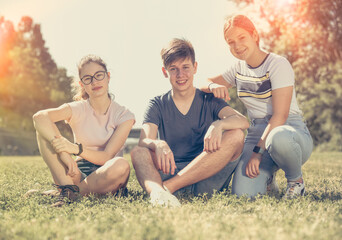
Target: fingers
163	162
167	158
226	95
212	144
173	166
158	162
218	92
252	170
58	144
72	169
167	164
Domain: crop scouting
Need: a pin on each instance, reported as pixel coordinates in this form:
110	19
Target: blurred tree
309	34
29	78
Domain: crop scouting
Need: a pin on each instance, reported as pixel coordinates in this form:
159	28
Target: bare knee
139	153
119	170
235	136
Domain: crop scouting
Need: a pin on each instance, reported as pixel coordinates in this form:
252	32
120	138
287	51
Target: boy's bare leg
147	174
206	164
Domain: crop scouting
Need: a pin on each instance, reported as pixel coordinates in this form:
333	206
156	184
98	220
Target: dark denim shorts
86	168
218	182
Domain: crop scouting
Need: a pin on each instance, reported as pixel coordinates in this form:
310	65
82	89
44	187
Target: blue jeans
218	182
288	147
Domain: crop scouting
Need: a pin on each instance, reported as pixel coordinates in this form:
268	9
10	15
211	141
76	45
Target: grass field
316	216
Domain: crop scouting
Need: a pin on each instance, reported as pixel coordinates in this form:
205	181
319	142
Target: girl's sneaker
68	194
294	190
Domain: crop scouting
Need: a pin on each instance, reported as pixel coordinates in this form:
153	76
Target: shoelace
64	190
292	187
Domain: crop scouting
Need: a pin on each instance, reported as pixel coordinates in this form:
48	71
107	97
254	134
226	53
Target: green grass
316	216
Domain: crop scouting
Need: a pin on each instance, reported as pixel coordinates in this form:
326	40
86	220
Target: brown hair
80	93
177	49
240	21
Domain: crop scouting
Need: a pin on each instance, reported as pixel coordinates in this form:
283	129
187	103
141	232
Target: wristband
209	86
80	149
258	149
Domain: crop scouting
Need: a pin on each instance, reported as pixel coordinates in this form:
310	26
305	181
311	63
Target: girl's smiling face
242	44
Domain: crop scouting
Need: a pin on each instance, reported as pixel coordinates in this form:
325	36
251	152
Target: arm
229	119
44	123
281	101
113	146
218	86
164	155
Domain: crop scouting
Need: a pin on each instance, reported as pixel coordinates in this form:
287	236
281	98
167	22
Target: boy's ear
165	72
195	67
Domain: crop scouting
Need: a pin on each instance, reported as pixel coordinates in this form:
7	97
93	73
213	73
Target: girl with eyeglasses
277	137
100	127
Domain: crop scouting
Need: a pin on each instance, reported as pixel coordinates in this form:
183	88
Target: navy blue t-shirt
184	133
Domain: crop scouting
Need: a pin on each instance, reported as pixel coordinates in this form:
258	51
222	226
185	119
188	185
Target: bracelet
80	149
209	86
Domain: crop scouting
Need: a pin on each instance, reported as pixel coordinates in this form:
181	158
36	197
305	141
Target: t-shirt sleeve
216	105
281	73
122	114
77	108
230	74
152	113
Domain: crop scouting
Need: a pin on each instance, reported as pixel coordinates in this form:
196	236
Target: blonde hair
240	21
79	91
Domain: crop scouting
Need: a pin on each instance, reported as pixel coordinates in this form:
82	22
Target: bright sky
129	35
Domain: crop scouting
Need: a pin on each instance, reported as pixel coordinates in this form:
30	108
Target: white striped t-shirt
255	85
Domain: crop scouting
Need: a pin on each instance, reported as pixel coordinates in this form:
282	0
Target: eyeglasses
88	79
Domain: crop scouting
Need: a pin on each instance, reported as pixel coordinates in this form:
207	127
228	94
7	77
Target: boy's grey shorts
218	182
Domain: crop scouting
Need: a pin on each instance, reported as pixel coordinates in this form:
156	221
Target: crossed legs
110	177
203	166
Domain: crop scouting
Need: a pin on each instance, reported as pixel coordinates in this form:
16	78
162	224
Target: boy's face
181	74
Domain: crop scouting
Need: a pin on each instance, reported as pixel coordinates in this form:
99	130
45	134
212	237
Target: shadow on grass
324	196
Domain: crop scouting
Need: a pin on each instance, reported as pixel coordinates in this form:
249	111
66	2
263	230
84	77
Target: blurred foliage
309	34
29	78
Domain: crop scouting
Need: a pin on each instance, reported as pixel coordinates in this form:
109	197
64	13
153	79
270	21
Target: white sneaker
163	198
272	185
294	189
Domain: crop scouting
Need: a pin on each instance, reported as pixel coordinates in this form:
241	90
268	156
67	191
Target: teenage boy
200	136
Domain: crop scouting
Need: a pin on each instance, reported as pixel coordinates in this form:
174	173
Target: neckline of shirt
263	61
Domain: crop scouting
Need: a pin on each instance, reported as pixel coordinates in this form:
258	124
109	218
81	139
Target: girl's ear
108	73
165	72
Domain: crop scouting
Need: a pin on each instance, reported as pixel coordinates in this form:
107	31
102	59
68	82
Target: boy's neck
184	95
183	100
